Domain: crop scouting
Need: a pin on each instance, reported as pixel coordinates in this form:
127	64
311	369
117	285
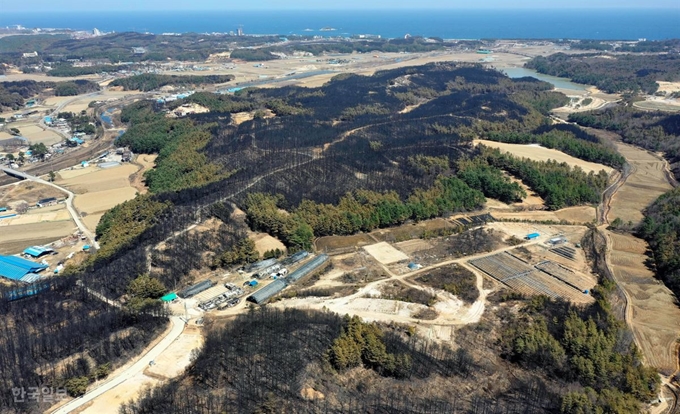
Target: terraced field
526	279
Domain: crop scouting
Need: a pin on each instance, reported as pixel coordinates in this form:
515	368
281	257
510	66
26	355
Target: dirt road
651	310
136	368
69	202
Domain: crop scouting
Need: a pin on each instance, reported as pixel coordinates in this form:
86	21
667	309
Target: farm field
648	299
14	239
579	214
97	190
37	225
524	278
34	134
646	183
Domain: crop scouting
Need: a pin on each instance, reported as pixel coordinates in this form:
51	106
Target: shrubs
453	279
361	344
588	346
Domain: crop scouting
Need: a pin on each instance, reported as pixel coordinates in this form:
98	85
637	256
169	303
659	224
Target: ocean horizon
602	24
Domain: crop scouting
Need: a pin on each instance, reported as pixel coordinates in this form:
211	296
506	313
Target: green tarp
169	297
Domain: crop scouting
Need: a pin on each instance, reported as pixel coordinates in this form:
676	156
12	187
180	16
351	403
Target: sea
604	24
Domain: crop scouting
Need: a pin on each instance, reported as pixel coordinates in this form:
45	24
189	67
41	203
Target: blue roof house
18	269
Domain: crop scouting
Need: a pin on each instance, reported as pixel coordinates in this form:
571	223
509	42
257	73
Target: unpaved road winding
139	366
651	309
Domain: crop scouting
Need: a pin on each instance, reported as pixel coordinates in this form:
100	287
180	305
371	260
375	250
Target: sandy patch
668	87
177	357
538	153
264	242
385	253
109	402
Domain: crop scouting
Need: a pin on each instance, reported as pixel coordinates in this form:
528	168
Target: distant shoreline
595	24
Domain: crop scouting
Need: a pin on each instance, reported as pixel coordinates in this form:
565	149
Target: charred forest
392	145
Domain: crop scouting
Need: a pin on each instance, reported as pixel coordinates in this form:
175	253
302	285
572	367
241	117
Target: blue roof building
18	269
37	251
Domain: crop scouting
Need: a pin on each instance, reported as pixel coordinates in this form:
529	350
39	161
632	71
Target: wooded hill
117	47
399	135
646	46
149	82
350	146
13	95
661	229
612	73
546	358
655	131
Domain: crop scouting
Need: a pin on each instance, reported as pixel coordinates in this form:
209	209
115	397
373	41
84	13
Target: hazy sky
69	5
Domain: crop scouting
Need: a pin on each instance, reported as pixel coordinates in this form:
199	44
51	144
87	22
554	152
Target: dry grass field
655	314
265	242
330	244
38	225
578	214
28	192
646	183
538	153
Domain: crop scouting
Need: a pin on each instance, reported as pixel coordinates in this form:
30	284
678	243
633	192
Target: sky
132	5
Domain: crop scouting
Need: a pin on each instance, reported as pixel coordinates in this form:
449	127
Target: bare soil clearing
146	162
659	104
385	253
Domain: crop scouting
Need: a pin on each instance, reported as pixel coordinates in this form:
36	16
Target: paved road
69	201
136	368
